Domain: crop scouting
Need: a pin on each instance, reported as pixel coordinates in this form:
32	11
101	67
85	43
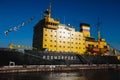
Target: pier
40	68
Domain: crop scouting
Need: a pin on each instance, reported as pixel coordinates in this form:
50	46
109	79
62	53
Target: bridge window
105	46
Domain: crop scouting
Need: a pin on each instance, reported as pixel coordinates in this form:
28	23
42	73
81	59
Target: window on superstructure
51	35
50	40
89	45
97	46
55	41
105	46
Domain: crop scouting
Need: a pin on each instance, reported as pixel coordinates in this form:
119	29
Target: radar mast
98	24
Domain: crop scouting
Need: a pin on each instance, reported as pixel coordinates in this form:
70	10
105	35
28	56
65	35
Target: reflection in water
66	75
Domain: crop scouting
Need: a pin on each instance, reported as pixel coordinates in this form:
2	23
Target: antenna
50	7
98	24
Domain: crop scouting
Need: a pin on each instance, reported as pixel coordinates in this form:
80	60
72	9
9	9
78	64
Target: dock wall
37	68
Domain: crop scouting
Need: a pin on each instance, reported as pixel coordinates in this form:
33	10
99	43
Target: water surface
65	75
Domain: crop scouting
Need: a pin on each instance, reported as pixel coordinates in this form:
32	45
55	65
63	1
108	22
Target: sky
73	12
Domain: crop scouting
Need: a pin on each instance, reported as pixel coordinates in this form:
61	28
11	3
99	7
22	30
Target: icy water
65	75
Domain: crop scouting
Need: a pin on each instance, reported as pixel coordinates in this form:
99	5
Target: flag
6	33
29	20
18	27
15	28
23	24
10	30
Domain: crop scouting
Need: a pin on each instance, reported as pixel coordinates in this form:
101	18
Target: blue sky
14	12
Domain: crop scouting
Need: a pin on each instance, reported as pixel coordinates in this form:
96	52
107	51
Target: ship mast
98	24
50	7
48	12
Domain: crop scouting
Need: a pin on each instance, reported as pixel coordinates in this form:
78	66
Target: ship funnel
85	29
